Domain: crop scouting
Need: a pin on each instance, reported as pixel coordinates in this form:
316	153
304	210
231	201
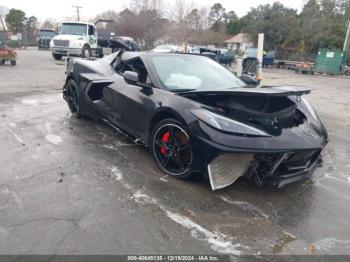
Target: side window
91	30
135	65
139	67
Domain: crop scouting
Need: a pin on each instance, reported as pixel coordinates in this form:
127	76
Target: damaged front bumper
276	169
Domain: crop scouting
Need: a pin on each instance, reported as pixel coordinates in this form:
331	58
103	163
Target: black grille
285	166
45	42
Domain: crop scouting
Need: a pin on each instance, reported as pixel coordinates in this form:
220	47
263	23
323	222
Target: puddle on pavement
285	239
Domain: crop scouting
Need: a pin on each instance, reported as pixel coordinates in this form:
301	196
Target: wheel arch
164	113
86	45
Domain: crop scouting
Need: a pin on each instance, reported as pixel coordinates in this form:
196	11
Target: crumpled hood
263	91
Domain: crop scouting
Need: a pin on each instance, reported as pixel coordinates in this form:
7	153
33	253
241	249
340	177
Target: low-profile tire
71	95
171	148
57	56
86	52
13	62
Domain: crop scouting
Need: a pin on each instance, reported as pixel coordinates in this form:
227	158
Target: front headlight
226	124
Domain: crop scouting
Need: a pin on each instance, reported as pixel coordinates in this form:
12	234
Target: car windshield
193	73
73	29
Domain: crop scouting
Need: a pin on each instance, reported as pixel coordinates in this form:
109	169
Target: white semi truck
81	39
75	39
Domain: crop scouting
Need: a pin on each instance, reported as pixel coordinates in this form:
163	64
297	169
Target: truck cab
44	38
75	39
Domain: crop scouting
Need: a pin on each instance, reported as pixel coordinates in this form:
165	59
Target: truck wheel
57	56
86	52
2	62
13	62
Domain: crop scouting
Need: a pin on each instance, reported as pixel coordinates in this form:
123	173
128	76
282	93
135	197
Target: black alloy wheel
171	148
71	95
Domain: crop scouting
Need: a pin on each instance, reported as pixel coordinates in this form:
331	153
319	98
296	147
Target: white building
239	42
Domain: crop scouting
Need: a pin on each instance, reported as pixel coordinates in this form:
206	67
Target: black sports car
198	117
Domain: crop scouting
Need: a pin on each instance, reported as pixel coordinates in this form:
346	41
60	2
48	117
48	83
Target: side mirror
131	77
249	80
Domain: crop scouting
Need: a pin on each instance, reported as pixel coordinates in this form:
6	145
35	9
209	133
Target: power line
78	11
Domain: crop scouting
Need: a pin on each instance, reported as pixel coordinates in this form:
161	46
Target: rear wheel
13	62
171	148
57	56
2	61
71	95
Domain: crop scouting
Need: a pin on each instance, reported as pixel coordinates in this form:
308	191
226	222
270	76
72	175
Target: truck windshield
73	29
47	33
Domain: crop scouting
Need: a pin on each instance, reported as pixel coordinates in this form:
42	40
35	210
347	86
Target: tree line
320	23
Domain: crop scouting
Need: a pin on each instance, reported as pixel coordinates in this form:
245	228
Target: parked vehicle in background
221	55
195	49
7	54
81	39
44	38
75	39
130	42
226	56
269	58
209	52
165	49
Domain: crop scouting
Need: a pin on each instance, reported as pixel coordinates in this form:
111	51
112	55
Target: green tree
236	26
193	19
15	19
230	16
277	22
216	16
31	24
323	24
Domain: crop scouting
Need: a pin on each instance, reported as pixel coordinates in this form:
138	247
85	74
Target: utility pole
260	56
78	11
346	46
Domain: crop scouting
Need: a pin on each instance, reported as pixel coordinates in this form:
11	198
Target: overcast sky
60	9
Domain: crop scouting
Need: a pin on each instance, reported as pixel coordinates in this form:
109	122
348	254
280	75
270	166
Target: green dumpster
330	61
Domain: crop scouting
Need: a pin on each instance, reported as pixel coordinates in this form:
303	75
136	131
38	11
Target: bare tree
49	24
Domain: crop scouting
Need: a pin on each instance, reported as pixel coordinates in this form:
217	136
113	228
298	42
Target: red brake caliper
165	139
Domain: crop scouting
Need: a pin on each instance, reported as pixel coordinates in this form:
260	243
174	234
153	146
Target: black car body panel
289	136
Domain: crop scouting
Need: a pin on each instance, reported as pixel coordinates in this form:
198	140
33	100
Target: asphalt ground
75	186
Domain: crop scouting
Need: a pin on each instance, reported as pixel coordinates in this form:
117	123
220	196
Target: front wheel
13	62
171	148
86	52
57	56
71	95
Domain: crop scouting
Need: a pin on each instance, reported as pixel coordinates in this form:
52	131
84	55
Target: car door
133	105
